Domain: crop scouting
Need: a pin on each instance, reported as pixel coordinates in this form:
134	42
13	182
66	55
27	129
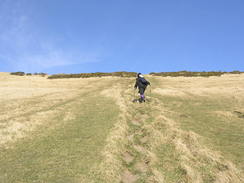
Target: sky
77	36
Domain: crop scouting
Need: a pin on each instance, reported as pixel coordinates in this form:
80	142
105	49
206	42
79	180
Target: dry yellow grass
226	85
148	142
27	102
226	90
196	160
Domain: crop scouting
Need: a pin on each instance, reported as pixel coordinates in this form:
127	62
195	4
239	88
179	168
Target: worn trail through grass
157	149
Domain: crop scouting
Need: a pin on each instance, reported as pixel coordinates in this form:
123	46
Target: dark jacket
141	83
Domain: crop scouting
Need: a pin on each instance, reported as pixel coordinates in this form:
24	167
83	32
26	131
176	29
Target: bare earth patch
128	177
127	157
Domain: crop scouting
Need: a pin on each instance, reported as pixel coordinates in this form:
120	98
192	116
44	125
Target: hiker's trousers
141	91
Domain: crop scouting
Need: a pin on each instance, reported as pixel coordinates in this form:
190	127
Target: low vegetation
128	74
89	75
40	74
193	74
18	73
28	74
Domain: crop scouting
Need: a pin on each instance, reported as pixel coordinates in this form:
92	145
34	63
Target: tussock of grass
169	164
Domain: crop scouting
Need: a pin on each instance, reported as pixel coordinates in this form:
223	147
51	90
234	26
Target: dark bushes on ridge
28	74
97	74
18	73
40	74
193	74
130	74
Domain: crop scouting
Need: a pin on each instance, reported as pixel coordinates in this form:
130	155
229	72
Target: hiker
141	83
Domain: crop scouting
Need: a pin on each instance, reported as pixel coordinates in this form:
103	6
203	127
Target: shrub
96	74
236	72
18	73
40	74
192	74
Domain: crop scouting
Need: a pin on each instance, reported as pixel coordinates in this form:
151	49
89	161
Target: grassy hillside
89	130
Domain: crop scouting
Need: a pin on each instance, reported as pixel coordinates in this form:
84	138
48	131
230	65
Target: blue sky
60	36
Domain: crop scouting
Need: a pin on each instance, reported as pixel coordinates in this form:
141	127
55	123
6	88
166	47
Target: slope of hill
88	130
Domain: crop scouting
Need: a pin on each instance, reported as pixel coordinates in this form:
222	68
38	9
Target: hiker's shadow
137	100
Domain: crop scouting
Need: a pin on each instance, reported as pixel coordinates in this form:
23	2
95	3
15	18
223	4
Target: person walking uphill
141	84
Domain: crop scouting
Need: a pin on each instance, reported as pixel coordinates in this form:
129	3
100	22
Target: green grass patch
224	134
66	153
